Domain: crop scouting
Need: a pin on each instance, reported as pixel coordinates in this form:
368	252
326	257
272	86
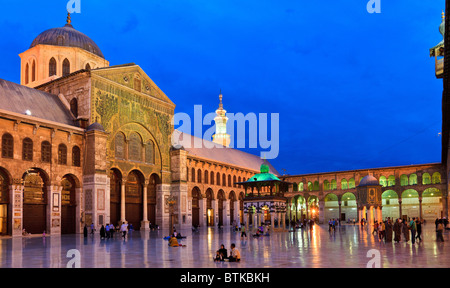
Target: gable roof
209	150
18	99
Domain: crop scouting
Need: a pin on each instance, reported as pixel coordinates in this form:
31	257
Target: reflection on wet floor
348	246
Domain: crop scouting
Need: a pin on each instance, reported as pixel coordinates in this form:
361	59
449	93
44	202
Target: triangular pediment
133	77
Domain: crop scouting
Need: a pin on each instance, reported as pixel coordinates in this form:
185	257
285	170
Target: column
283	220
122	202
340	210
145	222
400	208
16	210
370	216
420	208
202	212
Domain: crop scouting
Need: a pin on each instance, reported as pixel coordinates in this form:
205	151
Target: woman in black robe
388	230
406	230
102	232
397	231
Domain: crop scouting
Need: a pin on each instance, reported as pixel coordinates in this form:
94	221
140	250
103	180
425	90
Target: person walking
397	231
439	231
412	228
405	231
124	229
388	230
102	232
419	229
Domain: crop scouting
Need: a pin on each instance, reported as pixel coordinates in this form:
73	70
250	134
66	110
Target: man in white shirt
235	256
124	229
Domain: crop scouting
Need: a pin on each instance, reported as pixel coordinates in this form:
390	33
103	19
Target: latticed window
404	180
62	154
46	152
27	149
76	156
344	184
436	178
7	146
426	178
52	67
66	67
119	146
135	147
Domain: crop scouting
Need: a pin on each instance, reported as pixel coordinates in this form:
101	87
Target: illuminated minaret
221	137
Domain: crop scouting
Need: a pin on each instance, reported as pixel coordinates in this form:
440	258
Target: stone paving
347	247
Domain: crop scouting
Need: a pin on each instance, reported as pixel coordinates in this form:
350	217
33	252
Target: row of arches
390	181
46	151
214	178
35	208
221	198
134	148
134	184
427	204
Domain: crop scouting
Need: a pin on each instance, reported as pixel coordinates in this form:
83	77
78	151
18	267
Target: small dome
264	168
96	126
369	180
67	36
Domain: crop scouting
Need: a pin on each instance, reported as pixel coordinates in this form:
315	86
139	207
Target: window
199	176
224	180
391	180
27	72
383	181
137	84
333	185
119	146
46	152
413	179
212	177
66	67
33	71
27	149
7	146
62	154
218	179
229	180
52	67
344	184
135	147
404	180
436	178
206	177
76	156
351	183
426	178
193	175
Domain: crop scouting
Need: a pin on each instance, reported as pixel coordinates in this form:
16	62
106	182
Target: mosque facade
83	142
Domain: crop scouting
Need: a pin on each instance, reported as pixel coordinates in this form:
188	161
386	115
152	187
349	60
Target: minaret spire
221	137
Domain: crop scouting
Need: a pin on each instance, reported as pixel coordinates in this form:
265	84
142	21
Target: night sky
353	90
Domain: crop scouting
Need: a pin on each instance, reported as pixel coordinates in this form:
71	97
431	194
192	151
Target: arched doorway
349	209
313	207
410	204
196	198
35	201
209	208
4	202
115	195
390	208
151	198
68	205
331	209
220	199
432	204
134	199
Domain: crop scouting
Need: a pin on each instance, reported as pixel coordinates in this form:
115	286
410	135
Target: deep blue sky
354	90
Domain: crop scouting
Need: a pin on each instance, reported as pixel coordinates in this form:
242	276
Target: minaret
221	137
438	51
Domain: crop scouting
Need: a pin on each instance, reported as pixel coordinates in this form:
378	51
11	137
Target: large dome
67	36
369	180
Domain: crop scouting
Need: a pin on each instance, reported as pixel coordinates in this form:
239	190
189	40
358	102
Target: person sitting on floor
173	242
235	256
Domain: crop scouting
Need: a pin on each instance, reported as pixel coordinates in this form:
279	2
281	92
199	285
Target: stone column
122	202
16	210
272	220
53	210
145	223
226	213
420	208
371	215
202	212
340	210
400	208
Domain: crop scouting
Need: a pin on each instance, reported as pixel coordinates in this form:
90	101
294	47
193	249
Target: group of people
332	223
398	228
107	231
222	254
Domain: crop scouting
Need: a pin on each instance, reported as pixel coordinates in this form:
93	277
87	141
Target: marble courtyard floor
347	247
